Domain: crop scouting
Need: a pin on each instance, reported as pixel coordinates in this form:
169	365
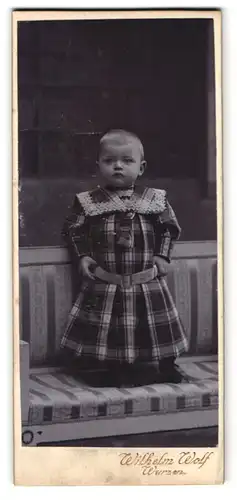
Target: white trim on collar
154	203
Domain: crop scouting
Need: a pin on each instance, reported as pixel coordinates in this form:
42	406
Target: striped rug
57	398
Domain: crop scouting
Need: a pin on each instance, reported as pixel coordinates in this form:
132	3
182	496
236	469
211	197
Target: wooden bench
58	407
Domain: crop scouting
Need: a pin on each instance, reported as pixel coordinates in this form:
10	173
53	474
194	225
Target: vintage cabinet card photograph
118	263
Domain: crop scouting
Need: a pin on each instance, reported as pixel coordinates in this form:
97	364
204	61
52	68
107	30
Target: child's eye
128	160
108	160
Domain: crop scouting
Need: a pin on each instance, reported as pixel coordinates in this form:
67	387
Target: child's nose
118	164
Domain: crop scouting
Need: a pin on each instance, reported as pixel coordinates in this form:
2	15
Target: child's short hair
121	135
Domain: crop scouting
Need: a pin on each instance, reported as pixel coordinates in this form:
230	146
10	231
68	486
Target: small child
122	235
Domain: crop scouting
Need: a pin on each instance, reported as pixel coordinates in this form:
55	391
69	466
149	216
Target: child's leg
77	364
84	368
140	373
94	372
120	373
127	374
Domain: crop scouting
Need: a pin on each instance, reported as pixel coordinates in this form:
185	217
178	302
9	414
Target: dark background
79	78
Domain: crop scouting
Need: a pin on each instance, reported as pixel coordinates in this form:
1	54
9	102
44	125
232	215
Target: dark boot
137	374
169	371
88	370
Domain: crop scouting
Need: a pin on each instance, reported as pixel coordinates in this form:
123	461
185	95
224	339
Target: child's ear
142	167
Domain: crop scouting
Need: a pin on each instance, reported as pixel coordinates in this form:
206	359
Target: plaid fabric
82	226
46	300
111	322
171	231
59	398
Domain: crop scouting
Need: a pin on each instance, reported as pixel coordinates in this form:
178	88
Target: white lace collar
152	201
125	193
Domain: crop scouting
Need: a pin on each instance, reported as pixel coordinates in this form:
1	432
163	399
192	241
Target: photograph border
49	466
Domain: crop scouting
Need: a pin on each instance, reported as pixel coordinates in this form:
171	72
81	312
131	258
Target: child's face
120	163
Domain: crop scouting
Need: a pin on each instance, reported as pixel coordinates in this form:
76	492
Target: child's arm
76	234
168	232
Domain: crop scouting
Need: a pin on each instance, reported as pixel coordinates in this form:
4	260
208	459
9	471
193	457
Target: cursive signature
151	462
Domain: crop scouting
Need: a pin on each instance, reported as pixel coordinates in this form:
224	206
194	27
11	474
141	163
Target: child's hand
162	265
86	267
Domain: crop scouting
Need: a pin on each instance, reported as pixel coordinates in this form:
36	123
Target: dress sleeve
167	231
75	231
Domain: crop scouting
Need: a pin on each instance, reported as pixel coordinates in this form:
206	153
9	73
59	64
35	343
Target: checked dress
122	231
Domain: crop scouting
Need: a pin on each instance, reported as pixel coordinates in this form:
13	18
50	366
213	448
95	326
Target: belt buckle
127	280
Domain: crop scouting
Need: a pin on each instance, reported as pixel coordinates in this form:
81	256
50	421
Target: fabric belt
127	280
